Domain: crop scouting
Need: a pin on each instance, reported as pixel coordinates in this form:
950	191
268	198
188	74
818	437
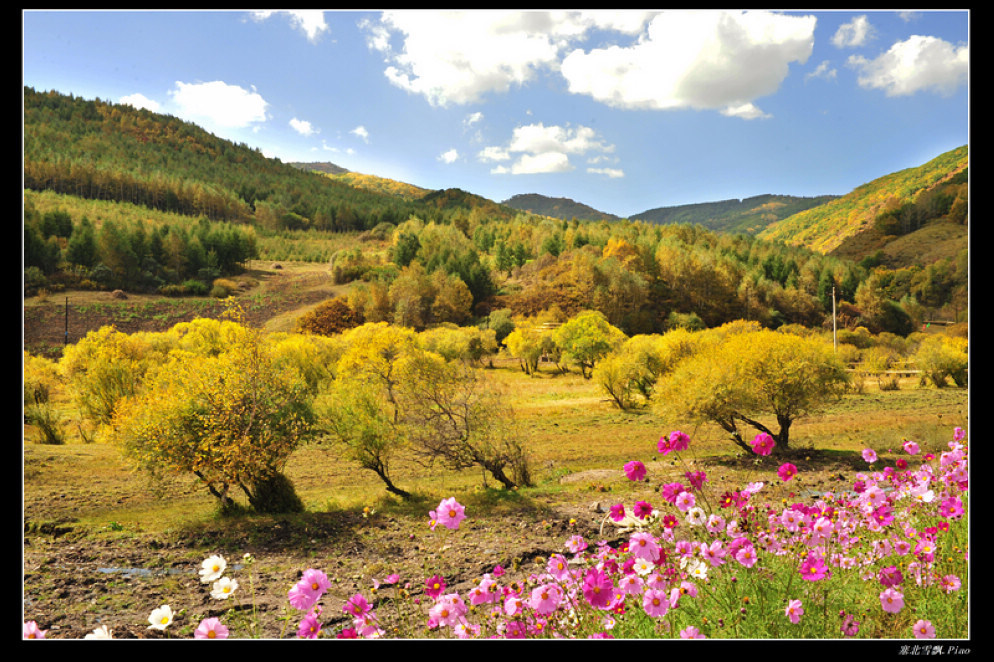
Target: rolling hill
562	208
747	216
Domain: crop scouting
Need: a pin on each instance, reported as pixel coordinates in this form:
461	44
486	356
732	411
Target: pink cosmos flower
450	513
763	444
32	631
316	581
850	626
890	576
576	544
794	611
671	491
951	507
786	471
951	583
557	567
357	605
655	603
911	448
813	568
869	455
642	545
309	627
696	479
210	628
498	571
691	632
448	610
598	588
685	501
679	441
631	584
618	512
434	586
545	599
642	509
892	600
924	630
635	470
301	596
959	433
746	556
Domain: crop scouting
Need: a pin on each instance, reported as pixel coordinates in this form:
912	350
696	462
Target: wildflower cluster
886	557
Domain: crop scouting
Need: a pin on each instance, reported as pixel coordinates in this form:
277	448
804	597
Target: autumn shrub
942	357
330	317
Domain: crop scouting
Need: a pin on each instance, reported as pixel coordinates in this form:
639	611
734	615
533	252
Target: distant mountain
889	207
563	208
747	216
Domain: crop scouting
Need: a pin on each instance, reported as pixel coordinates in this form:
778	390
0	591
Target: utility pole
835	343
65	340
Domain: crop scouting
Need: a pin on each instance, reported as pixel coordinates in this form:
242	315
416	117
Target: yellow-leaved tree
750	377
231	418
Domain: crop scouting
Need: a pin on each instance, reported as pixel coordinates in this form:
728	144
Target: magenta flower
951	583
635	470
813	568
690	632
558	567
850	626
679	441
697	479
671	491
911	448
450	513
598	589
642	509
357	605
959	433
763	444
924	630
655	603
869	455
951	507
794	611
434	586
786	471
892	600
890	576
618	512
210	628
310	626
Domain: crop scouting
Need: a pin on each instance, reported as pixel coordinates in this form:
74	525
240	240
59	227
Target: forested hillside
562	208
448	256
826	227
749	215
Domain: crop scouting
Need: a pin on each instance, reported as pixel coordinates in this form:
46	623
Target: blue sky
622	110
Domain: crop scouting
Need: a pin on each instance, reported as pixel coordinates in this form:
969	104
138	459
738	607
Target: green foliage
586	339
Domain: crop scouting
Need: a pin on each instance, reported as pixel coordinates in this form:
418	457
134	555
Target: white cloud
309	21
139	101
472	119
916	64
450	156
613	173
361	132
695	59
854	33
823	70
543	148
456	57
302	127
746	111
219	104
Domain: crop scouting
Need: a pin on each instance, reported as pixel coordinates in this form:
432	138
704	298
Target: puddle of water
152	572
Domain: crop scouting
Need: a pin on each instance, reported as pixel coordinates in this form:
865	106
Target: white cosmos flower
100	633
212	568
160	618
223	588
696	516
